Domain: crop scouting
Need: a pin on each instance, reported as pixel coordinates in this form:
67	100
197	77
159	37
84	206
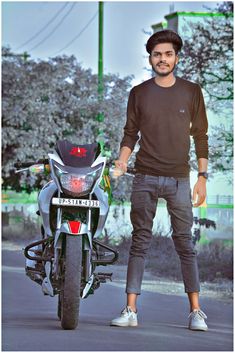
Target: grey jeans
145	193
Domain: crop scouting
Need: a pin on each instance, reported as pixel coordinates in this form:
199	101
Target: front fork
87	245
87	248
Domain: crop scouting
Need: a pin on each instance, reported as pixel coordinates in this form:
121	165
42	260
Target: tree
43	101
207	58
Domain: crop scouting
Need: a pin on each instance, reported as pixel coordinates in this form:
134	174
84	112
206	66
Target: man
165	110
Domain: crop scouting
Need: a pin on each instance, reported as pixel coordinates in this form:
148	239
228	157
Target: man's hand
120	168
199	192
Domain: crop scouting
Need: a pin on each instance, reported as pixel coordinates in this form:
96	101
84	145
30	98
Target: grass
215	259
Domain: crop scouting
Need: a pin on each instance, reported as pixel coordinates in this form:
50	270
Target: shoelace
124	311
197	312
127	310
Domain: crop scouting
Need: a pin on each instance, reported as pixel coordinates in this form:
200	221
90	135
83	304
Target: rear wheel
69	298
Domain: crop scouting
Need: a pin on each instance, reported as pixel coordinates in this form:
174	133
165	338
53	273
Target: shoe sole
124	325
194	328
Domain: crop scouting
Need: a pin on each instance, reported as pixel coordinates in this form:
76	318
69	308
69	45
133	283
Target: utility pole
100	60
100	115
172	7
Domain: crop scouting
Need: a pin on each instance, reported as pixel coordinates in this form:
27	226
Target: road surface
30	322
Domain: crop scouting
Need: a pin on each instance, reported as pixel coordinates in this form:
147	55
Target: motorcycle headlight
75	184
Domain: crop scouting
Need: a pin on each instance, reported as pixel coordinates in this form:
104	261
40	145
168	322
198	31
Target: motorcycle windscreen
77	155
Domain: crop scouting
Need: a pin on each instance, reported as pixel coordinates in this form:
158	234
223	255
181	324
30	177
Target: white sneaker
128	318
197	320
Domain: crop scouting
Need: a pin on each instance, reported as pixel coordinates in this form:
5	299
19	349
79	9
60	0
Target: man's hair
165	36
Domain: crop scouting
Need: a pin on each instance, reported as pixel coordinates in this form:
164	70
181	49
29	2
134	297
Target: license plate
59	201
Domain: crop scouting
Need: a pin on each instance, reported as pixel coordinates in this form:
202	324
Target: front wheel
59	306
70	293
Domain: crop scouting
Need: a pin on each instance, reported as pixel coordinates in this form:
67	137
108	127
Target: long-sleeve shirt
162	119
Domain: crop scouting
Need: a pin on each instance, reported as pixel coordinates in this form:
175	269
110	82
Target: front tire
70	294
59	307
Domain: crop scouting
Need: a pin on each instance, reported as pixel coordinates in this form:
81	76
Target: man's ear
150	60
177	59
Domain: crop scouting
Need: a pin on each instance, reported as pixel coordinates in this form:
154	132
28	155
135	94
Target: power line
43	28
50	34
79	34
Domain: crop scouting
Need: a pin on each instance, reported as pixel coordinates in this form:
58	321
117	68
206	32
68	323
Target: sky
124	26
124	37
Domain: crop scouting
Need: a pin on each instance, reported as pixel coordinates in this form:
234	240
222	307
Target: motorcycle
73	207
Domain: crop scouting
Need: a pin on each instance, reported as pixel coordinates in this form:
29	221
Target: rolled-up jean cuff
132	291
197	290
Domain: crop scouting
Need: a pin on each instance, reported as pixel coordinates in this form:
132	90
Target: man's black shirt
165	117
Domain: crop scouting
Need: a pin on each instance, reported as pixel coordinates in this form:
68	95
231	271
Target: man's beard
164	74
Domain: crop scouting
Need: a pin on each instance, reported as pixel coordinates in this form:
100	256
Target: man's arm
199	125
202	166
121	163
130	137
199	190
199	132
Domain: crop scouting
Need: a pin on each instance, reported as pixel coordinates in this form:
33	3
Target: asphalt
29	321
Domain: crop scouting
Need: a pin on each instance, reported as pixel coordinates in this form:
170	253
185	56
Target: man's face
163	59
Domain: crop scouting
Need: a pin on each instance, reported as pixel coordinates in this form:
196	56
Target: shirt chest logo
182	111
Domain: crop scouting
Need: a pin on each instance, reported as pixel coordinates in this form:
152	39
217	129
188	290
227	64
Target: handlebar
131	170
21	165
28	164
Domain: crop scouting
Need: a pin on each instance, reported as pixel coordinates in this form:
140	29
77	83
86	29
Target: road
29	321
